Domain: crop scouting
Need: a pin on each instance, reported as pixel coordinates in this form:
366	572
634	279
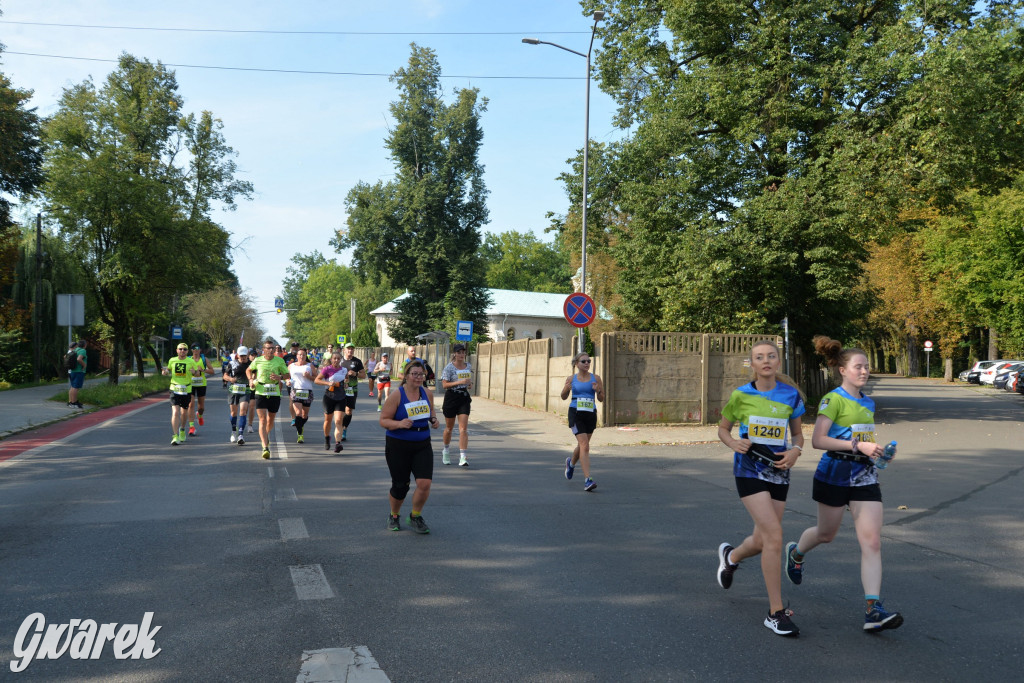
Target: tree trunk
947	373
115	363
993	344
913	365
139	363
156	359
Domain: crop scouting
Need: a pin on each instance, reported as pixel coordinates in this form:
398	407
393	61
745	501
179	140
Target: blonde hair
779	376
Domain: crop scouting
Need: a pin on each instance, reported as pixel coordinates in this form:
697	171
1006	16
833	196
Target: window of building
538	335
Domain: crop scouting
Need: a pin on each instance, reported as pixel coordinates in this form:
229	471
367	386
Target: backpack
71	360
429	370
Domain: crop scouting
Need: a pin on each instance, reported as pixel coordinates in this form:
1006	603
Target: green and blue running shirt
764	418
851	417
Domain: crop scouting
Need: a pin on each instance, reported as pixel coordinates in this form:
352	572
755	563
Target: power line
299	33
294	71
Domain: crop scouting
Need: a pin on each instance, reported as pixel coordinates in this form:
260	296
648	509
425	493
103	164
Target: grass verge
106	395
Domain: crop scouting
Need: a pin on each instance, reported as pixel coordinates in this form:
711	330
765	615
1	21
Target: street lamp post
37	301
598	16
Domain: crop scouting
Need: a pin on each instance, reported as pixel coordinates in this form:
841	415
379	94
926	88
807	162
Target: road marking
274	471
292	529
270	472
310	582
340	665
283	471
285	494
282	450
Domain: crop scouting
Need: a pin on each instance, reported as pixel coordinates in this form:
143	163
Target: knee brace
399	490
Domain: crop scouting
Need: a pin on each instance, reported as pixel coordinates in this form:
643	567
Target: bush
19	374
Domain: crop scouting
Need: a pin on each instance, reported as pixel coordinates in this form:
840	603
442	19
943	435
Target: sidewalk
24	409
553	430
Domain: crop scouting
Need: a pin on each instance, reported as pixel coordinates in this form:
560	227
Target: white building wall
499	325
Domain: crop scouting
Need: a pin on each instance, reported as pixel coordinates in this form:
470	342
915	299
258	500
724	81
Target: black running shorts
582	422
456	403
271	404
840	496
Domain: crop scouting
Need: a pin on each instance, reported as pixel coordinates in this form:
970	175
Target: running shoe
569	468
338	448
794	569
445	460
181	436
300	439
463	462
234	437
266	453
293	422
250	429
781	623
393	523
344	434
589	485
378	407
191	431
327	443
241	440
71	405
418	524
174	441
201	421
878	618
78	404
725	568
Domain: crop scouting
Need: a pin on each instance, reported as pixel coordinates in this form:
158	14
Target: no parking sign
579	309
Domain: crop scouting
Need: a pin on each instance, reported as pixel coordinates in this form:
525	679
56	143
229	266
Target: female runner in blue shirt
768	410
408	414
585	387
846	476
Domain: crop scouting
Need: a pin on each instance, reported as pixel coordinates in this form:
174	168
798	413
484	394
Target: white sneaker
251	430
463	462
444	457
234	437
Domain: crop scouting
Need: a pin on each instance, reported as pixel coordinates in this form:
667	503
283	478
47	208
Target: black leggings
406	458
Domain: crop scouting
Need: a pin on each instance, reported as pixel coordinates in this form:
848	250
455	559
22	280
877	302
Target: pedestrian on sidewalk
76	375
457	380
768	410
408	416
846	477
585	387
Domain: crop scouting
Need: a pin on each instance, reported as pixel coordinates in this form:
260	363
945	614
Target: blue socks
241	422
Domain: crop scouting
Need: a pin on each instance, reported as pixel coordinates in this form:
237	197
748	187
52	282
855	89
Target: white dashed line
310	582
340	665
270	472
282	450
292	529
284	494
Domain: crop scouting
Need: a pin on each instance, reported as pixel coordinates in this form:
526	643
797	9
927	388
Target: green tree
324	308
770	143
291	287
421	230
520	261
135	214
221	314
20	175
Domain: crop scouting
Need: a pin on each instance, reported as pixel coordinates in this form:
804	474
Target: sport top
453	374
583	395
263	369
851	417
764	418
300	380
419	411
181	374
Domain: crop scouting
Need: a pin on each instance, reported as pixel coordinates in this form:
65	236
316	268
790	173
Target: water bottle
883	460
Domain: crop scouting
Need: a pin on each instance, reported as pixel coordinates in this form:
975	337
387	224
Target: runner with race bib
846	477
768	410
585	388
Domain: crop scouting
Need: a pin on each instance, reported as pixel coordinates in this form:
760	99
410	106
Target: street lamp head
531	41
598	15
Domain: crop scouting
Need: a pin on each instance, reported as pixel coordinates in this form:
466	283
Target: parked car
988	375
1003	376
1011	383
975	372
1019	387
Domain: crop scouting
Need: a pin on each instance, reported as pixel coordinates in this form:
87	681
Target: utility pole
37	300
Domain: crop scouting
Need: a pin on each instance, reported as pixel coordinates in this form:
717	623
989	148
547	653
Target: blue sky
305	140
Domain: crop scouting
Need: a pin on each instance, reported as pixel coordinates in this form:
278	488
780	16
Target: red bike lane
14	446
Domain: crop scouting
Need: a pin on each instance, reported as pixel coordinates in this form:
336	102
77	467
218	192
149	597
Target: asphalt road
525	577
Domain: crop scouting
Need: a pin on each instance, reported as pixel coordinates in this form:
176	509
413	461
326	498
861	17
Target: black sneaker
327	443
78	404
725	568
781	623
338	448
393	523
418	524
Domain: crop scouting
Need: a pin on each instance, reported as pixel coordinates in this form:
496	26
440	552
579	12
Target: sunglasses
584	361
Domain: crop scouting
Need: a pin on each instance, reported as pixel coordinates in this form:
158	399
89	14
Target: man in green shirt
266	374
77	375
181	371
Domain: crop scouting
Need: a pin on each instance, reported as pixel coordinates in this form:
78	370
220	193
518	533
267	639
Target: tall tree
421	230
517	260
134	212
771	142
20	175
221	314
